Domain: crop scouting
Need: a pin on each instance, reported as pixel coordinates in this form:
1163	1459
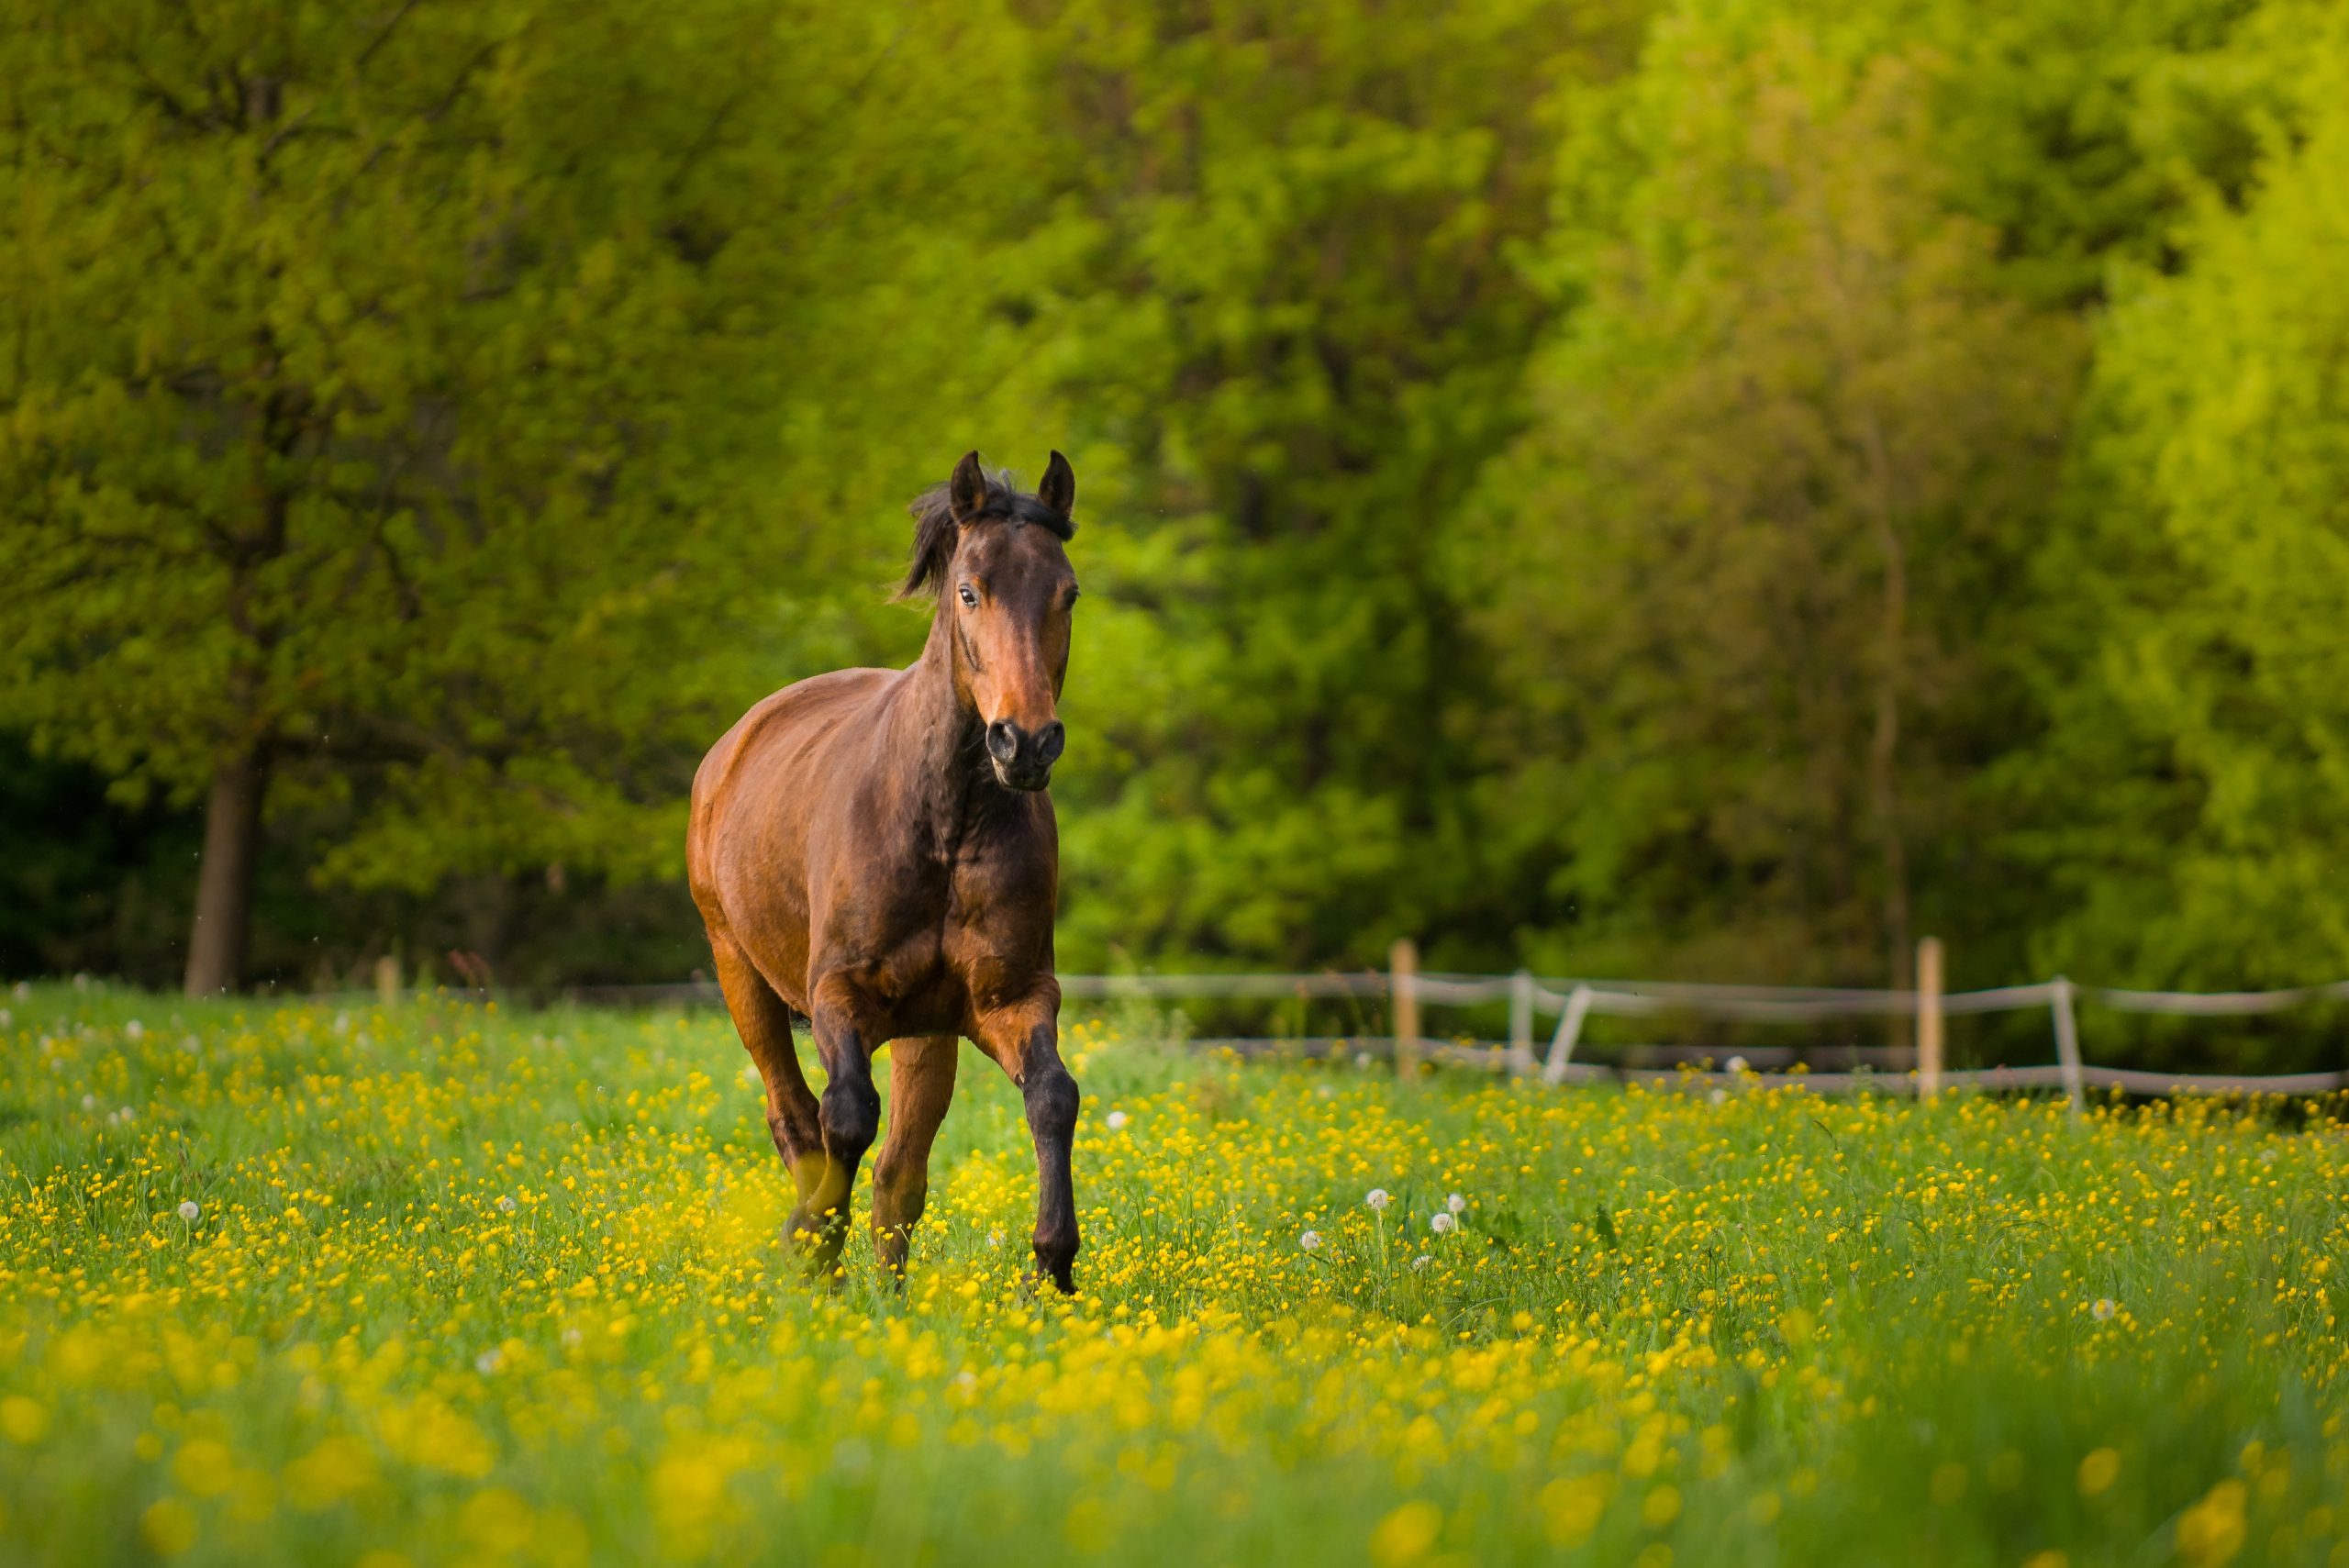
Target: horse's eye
969	598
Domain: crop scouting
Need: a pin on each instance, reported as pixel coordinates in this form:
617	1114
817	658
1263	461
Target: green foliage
1722	486
1741	572
396	399
2206	695
1292	330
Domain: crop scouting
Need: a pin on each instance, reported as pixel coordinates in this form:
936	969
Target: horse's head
995	558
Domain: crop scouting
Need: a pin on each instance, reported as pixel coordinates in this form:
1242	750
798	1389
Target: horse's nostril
1003	741
1050	740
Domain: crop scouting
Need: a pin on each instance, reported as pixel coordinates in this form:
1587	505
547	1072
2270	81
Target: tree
397	402
2202	680
1746	569
1289	323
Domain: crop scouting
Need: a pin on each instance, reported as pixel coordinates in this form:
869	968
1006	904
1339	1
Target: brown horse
874	849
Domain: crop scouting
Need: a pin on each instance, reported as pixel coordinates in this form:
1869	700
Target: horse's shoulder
819	695
813	704
777	725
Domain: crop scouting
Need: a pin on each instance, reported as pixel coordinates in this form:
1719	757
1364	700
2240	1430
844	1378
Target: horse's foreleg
921	1085
764	1021
1024	1039
849	1115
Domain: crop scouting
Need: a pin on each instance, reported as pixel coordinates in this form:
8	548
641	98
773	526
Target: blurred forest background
1710	489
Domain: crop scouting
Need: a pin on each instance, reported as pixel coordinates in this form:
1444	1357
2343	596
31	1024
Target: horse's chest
920	935
928	939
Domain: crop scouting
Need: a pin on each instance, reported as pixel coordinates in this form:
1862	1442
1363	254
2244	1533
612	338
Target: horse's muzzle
1024	759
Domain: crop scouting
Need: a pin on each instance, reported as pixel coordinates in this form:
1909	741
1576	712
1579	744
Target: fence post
1562	1044
2067	1042
387	980
1521	1022
1403	966
1929	1018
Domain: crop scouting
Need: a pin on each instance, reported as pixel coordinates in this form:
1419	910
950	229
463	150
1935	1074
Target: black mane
934	527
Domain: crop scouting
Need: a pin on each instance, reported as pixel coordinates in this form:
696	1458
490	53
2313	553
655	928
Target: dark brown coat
874	849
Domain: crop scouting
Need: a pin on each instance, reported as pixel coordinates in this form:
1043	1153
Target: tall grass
466	1286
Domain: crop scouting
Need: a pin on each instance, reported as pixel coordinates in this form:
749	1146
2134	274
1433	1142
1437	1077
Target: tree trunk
1884	745
224	884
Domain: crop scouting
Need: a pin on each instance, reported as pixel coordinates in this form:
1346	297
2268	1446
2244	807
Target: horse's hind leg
764	1021
921	1085
849	1112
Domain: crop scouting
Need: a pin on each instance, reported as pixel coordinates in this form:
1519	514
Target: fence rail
1571	1002
1877	1078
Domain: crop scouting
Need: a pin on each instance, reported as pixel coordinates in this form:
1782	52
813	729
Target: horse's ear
966	493
1058	490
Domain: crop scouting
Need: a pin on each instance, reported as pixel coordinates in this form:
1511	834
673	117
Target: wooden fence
1533	999
1573	1002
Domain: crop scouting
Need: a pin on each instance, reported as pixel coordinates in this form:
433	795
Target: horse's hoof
824	1275
1062	1280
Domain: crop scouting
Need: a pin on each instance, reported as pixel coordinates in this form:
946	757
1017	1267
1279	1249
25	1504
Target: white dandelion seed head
89	1102
994	1238
1378	1199
1443	1224
1736	1064
571	1335
1116	1121
134	1030
1717	1098
2104	1308
1455	1203
504	1204
188	1211
1362	1058
1309	1241
1423	1261
489	1362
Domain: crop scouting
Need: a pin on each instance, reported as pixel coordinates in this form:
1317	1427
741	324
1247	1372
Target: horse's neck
949	784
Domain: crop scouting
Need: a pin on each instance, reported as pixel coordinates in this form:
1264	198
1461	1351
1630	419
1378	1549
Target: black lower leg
849	1116
1052	1099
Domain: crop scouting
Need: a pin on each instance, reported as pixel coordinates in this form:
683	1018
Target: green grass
464	1285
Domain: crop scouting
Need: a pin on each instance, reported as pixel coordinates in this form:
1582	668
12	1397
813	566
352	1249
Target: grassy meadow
443	1282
